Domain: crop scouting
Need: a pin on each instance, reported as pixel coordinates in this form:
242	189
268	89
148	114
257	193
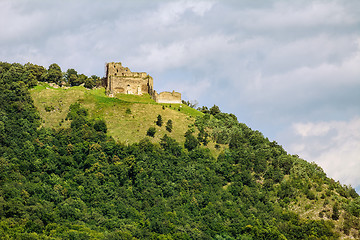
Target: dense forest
79	183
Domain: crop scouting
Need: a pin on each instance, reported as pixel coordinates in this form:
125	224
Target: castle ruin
120	79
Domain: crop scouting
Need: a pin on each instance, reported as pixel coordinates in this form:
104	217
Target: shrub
159	120
190	142
169	125
49	108
151	131
100	126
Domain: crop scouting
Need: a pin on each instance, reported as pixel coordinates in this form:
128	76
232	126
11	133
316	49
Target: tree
169	125
190	142
202	136
100	126
236	140
192	103
151	131
82	78
71	76
170	145
159	121
335	215
203	109
37	71
54	74
214	110
92	81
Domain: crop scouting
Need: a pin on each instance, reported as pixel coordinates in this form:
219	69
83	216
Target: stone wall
167	97
120	79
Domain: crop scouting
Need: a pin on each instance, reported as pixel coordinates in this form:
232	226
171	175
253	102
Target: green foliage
151	132
214	110
91	82
74	79
38	72
170	145
335	212
54	74
49	108
203	136
100	126
203	109
159	121
71	77
191	104
169	125
354	207
79	183
190	141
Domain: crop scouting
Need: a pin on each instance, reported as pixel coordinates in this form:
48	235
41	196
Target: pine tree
159	121
169	125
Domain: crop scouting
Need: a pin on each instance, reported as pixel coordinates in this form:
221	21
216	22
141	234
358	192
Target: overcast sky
290	69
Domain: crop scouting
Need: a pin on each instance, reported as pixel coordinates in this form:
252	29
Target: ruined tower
120	79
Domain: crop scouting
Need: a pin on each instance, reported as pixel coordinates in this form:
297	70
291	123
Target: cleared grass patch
128	117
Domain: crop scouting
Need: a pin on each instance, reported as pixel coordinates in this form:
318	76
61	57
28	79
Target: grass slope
127	116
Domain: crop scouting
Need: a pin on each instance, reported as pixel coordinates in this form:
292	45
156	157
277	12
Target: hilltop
78	164
128	117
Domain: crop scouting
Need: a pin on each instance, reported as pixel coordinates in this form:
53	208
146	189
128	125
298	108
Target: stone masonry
120	79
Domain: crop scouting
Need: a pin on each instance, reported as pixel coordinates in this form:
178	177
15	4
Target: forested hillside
77	182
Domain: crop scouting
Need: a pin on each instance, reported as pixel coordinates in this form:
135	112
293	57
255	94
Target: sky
290	69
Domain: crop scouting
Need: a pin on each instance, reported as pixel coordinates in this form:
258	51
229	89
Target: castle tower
120	79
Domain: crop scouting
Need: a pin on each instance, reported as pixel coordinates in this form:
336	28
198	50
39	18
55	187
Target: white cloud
311	129
334	145
170	13
290	15
192	53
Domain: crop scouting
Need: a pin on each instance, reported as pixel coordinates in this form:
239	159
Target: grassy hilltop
128	117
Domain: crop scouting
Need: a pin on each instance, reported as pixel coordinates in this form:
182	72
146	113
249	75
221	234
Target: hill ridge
64	176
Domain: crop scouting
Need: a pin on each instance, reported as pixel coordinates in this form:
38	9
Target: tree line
32	74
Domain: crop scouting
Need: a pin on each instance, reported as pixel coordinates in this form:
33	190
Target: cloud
302	14
193	53
170	13
334	145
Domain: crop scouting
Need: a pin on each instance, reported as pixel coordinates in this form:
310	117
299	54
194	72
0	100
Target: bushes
159	121
151	132
169	125
190	141
100	126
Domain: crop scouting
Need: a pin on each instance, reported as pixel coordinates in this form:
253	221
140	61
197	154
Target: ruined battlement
167	97
120	79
